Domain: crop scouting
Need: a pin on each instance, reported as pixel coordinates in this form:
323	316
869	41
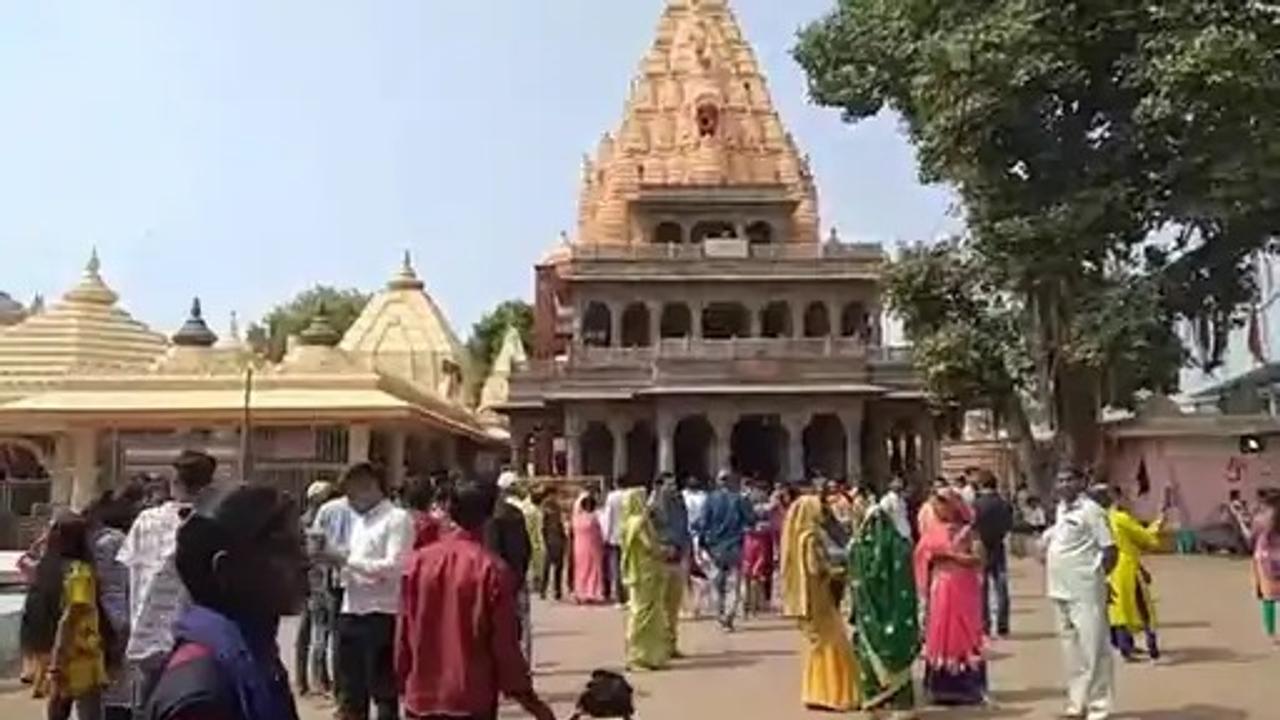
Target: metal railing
724	350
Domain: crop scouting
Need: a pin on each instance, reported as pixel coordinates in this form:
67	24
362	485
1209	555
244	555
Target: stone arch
693	444
597	325
758	447
668	233
825	445
817	321
853	320
597	450
635	326
642	452
676	321
724	320
711	229
775	320
760	233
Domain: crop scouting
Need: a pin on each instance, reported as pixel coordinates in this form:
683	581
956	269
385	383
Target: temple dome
497	387
85	330
402	332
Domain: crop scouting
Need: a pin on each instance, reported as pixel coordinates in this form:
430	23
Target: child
67	590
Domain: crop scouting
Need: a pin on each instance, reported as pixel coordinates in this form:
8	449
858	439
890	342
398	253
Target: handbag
608	695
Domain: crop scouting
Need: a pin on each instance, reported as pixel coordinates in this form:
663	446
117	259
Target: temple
697	322
90	396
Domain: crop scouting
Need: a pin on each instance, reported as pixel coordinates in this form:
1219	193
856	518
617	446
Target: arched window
760	233
721	321
775	320
677	321
712	229
853	320
817	322
597	325
635	326
668	233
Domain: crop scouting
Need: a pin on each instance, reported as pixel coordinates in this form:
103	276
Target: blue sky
244	150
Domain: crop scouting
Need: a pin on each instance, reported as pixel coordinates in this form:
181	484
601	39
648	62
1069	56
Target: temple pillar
358	439
795	423
618	428
695	321
852	421
84	467
756	323
655	323
615	325
543	452
929	461
722	423
665	429
395	457
572	443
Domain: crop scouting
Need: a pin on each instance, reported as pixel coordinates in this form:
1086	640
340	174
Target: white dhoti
1086	650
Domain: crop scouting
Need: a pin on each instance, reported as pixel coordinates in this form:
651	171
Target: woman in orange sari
949	574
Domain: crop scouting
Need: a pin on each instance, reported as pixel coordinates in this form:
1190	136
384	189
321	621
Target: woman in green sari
886	626
643	572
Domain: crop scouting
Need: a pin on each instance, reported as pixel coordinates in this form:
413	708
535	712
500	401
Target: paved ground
1220	667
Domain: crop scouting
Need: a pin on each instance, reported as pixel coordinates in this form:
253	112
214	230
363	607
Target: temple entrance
756	447
693	445
824	446
642	449
597	450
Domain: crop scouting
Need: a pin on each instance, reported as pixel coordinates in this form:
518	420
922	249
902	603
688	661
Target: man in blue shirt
720	532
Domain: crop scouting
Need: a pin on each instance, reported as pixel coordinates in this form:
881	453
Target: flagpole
246	428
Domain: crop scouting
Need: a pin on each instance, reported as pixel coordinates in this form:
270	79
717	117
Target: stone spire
320	332
91	290
406	278
194	332
699	114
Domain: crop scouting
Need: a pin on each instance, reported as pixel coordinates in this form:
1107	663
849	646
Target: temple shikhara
698	321
89	396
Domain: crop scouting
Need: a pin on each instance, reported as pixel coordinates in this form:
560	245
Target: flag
1144	480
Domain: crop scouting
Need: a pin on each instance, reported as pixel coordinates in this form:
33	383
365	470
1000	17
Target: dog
608	695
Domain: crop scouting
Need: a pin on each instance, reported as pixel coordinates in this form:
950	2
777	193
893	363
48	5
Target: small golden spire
91	289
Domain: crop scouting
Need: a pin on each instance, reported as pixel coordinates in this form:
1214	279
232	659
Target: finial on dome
320	332
406	278
834	238
194	332
92	267
37	305
91	289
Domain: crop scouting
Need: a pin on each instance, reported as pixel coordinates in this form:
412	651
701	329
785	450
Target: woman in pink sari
949	572
588	552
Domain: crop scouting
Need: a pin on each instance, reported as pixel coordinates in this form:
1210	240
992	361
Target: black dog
608	695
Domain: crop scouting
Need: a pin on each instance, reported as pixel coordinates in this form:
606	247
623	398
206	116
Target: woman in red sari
949	573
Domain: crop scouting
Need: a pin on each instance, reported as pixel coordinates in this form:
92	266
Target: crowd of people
415	602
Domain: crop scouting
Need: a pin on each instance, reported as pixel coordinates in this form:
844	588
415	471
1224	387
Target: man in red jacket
458	637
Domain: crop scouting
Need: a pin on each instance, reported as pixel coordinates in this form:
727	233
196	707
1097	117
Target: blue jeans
725	581
995	601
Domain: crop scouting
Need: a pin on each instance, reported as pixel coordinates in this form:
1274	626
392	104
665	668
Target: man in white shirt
611	528
1079	552
895	507
371	565
156	593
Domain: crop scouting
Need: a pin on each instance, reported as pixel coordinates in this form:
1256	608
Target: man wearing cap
156	593
1079	553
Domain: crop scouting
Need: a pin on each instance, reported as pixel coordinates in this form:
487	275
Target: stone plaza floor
1219	666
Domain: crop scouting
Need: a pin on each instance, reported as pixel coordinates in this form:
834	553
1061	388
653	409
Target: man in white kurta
1078	554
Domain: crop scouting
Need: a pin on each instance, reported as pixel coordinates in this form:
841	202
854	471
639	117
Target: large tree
270	335
487	334
1116	163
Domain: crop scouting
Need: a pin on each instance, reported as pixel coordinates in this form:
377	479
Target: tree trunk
1034	459
1076	405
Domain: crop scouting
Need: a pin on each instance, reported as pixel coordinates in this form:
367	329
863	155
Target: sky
243	150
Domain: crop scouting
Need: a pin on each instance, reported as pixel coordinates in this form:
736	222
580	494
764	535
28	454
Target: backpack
608	695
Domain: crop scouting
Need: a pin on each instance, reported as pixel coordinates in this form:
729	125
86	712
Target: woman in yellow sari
644	574
830	670
1133	606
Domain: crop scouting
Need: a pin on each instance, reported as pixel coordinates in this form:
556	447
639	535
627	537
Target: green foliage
270	336
1117	163
487	334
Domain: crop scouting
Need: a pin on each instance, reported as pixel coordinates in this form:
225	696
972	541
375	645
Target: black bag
608	695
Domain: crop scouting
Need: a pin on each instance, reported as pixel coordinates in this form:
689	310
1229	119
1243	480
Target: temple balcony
730	259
